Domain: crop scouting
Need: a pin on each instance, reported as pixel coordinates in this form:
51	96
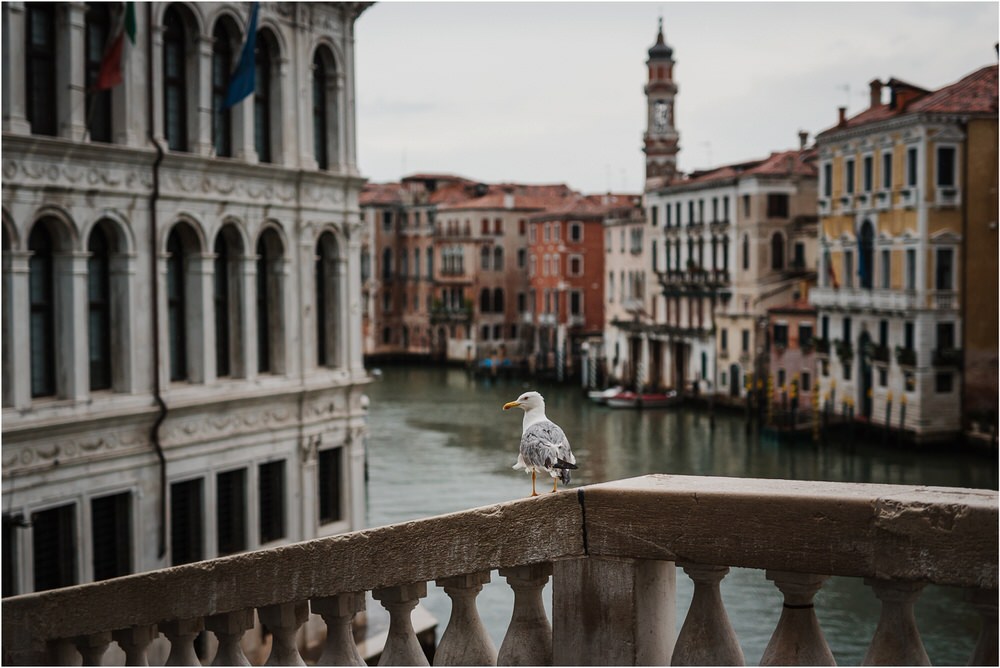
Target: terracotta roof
598	206
514	196
975	93
780	163
374	194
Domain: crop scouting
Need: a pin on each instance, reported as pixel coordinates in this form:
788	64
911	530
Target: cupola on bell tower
660	141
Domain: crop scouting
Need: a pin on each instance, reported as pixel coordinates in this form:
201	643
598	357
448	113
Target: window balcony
576	321
947	357
846	204
944	300
824	206
908	197
880	354
898	301
947	197
862	201
447	314
612	581
883	200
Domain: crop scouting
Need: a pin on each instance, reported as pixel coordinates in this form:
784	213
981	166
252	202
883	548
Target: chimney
875	87
841	116
803	139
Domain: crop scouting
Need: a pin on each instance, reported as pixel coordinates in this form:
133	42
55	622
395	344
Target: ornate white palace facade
182	366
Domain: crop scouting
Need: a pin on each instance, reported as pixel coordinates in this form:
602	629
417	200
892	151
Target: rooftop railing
610	551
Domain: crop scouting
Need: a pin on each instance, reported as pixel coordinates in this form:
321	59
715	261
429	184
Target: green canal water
439	442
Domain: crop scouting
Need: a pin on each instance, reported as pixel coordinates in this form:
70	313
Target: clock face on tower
661	116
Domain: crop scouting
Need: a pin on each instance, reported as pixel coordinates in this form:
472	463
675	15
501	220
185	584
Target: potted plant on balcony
880	354
906	356
822	345
844	351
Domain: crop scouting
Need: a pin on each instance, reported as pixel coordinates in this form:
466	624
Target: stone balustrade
610	552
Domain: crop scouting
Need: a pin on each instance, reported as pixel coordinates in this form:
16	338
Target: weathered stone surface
510	534
612	612
528	640
937	534
797	640
707	637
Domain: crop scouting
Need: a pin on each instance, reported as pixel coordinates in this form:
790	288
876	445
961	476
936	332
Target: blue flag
245	75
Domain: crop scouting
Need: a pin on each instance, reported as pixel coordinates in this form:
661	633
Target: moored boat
644	399
602	396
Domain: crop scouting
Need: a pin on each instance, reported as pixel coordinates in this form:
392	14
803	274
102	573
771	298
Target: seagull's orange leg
533	492
555	482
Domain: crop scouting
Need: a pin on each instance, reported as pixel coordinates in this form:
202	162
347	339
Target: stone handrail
610	550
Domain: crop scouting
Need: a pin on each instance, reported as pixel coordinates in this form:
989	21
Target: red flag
111	66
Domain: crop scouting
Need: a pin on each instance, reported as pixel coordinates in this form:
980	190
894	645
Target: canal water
439	442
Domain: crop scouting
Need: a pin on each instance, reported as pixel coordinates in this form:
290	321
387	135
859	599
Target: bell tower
660	140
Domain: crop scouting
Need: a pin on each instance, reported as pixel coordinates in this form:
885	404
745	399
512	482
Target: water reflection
440	443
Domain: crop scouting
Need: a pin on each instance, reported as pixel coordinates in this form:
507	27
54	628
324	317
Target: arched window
222	67
484	258
498	258
430	263
7	365
175	80
484	300
265	98
777	251
324	105
98	102
746	251
725	253
327	311
41	292
498	305
99	309
270	323
228	303
176	306
866	256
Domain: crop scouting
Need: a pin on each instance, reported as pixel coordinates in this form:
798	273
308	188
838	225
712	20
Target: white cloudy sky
552	92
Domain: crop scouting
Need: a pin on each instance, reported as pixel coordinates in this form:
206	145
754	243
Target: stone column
181	634
70	81
338	612
92	647
200	323
15	114
202	143
528	641
897	641
798	639
17	339
229	628
401	645
135	643
123	313
612	612
707	638
249	313
72	356
283	621
465	641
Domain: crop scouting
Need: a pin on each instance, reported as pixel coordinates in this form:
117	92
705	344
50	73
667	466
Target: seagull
544	446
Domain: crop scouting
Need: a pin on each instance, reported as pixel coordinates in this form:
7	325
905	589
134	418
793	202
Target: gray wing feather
541	441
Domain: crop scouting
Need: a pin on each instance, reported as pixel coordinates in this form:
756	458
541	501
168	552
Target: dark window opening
111	520
40	65
175	81
41	289
186	522
99	309
231	511
271	492
54	543
330	476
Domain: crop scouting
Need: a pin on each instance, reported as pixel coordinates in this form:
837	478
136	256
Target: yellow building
906	186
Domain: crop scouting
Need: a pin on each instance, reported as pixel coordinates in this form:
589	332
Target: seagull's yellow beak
510	404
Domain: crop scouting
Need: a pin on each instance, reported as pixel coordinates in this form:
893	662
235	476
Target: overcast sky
552	92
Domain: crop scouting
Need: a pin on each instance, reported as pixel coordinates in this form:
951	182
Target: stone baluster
798	639
707	638
338	613
401	645
135	643
181	633
283	621
465	641
229	628
897	641
528	641
985	602
92	647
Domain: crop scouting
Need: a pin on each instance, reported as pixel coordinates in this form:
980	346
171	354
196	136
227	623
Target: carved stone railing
610	551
